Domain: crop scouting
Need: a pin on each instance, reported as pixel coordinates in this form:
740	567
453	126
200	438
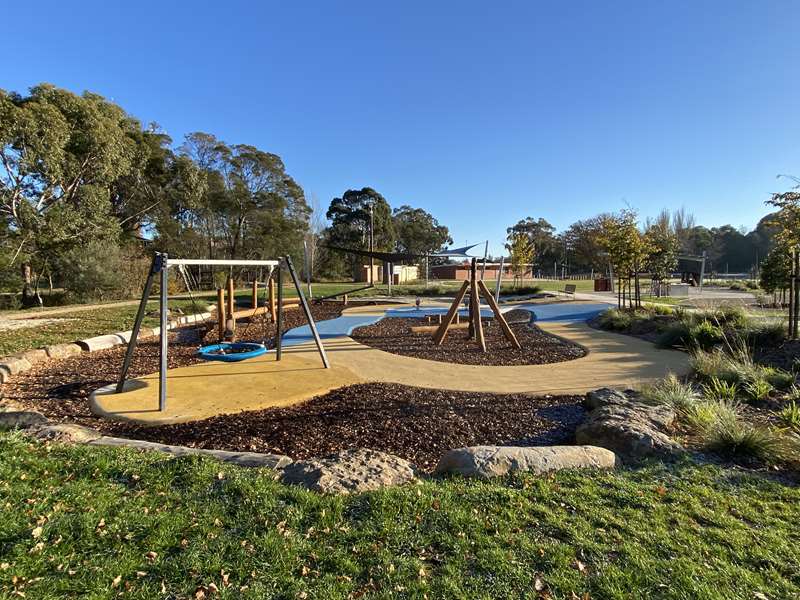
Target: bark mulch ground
417	424
394	335
60	388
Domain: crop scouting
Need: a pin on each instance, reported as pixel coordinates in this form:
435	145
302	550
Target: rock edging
17	363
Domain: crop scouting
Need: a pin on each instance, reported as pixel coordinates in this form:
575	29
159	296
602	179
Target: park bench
569	289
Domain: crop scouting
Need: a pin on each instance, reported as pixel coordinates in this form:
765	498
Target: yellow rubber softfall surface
212	388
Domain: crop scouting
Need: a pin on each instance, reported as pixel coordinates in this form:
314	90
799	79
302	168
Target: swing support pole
155	267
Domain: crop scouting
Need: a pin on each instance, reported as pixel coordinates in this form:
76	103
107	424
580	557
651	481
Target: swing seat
231	352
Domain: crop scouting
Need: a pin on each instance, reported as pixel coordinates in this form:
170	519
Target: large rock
66	432
244	459
13	365
348	471
62	350
485	462
21	418
630	428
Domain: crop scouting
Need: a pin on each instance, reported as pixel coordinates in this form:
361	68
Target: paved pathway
206	389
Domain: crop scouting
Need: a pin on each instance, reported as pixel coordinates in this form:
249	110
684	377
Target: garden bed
418	424
394	335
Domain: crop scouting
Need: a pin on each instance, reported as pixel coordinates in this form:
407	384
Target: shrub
615	319
719	389
763	332
790	416
731	436
704	335
758	389
778	379
702	415
671	391
674	335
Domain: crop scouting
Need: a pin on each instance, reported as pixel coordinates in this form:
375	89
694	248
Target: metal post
304	305
703	270
371	245
499	280
279	318
485	254
163	336
796	298
137	324
307	260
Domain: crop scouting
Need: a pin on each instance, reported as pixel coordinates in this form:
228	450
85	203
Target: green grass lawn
89	522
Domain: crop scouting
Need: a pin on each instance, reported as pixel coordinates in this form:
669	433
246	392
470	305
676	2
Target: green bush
763	332
705	335
102	271
719	389
758	389
790	416
702	415
615	319
673	336
730	436
671	391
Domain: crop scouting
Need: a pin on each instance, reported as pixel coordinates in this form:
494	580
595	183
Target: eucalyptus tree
60	155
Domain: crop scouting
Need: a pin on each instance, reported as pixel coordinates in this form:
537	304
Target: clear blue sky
480	112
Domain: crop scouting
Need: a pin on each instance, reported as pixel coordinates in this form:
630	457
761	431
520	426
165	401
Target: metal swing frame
160	267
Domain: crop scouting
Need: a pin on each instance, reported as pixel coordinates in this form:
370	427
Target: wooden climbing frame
476	288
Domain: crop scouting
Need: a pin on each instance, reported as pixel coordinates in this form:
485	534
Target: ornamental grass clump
790	416
672	392
719	389
730	436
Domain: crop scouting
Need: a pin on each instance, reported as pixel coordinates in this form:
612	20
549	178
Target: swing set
227	349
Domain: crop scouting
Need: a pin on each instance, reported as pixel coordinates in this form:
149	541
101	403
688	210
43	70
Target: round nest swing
231	351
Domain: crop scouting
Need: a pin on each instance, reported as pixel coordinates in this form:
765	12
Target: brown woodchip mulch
394	335
417	424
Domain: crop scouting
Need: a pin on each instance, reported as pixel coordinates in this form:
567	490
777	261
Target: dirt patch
7	324
60	388
394	335
417	424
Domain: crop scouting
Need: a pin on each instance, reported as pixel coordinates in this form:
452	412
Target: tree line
578	249
87	193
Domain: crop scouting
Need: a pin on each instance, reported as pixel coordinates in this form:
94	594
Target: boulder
63	350
244	459
21	418
485	462
349	471
604	397
33	356
630	428
66	432
13	365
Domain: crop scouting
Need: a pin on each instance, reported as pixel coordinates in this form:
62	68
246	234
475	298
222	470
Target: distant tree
583	242
350	222
418	232
540	234
522	252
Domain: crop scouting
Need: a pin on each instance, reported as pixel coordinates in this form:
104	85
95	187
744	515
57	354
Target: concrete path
206	389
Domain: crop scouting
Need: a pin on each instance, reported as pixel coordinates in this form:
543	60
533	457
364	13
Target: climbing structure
475	287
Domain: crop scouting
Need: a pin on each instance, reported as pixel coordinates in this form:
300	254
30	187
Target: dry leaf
116	581
538	584
36	533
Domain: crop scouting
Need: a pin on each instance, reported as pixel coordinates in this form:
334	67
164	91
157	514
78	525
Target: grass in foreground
82	521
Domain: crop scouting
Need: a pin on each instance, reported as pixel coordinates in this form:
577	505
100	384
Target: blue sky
481	113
